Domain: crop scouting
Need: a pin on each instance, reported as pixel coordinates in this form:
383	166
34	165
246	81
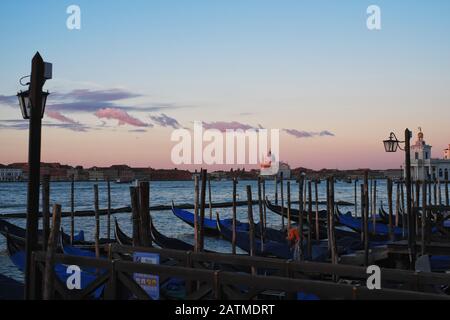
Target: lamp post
32	104
391	145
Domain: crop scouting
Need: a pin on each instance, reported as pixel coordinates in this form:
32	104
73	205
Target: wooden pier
214	276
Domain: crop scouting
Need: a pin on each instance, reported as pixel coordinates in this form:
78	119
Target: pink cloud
122	116
60	117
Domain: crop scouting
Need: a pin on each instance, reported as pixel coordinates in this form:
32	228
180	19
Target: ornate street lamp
391	145
25	103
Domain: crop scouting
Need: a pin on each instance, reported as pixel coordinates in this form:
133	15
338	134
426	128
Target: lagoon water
13	200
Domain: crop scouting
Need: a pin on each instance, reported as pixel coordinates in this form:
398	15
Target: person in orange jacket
294	243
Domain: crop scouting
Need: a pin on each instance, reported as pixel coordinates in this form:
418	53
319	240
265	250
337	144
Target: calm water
13	200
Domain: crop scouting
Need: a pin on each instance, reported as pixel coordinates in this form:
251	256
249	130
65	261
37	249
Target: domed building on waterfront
423	166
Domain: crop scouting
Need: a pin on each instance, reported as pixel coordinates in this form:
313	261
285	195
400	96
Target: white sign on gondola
149	283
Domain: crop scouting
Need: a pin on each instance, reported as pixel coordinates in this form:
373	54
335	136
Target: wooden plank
129	283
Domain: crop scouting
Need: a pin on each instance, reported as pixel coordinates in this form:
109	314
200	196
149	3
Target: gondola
18	232
269	233
157	237
209	229
385	216
121	237
380	228
209	225
295	212
16	252
269	248
169	243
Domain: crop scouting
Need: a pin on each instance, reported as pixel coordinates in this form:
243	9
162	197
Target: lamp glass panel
390	145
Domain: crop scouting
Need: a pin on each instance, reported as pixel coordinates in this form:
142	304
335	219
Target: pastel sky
139	69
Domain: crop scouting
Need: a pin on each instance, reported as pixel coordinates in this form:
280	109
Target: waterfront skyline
123	82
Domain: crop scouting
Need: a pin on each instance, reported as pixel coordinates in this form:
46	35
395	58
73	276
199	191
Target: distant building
56	171
423	166
141	174
447	153
10	174
78	173
96	174
286	170
392	173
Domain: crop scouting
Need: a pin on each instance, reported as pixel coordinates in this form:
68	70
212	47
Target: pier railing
206	277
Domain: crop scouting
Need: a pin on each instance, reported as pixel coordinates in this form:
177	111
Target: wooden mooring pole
196	214
45	210
134	197
251	225
144	211
49	279
374	205
300	216
424	216
417	207
288	187
316	194
366	219
397	205
264	202
334	256
310	227
276	189
301	182
261	214
430	192
282	200
404	214
97	222
202	210
389	192
209	196
362	213
305	195
72	208
435	192
233	238
439	191
108	223
356	198
447	200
